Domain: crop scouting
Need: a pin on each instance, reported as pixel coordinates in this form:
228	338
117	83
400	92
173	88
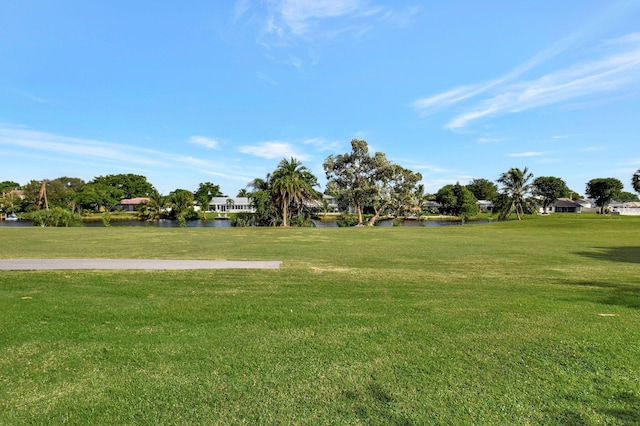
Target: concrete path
48	264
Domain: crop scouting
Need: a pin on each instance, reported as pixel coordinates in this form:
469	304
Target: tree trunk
359	212
375	218
285	204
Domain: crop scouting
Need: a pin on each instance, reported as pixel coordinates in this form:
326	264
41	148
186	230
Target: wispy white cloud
287	25
273	149
32	97
617	69
301	17
205	141
76	147
433	103
103	157
490	140
526	154
322	144
429	168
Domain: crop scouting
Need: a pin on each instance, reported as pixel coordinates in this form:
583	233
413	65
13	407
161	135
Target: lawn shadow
629	254
616	294
626	411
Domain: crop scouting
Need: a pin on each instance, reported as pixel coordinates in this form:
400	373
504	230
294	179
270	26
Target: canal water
221	223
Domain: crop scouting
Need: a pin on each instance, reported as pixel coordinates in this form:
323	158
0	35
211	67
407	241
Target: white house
625	209
231	205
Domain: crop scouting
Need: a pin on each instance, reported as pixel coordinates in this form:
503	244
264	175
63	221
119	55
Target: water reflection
221	223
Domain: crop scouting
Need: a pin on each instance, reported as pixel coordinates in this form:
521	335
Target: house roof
134	201
632	204
566	202
236	200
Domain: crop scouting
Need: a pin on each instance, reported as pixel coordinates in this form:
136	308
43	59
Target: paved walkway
48	264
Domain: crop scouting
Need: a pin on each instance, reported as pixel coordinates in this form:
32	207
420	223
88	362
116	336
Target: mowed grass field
533	322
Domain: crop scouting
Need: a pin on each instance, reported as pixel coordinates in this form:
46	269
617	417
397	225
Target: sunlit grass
508	323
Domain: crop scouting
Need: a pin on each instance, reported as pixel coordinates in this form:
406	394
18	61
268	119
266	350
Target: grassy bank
508	323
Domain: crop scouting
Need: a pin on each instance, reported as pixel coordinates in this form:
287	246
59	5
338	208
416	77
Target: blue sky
197	91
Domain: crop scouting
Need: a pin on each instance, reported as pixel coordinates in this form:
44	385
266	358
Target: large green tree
203	195
635	181
483	189
549	189
516	192
131	185
10	202
60	192
292	184
457	200
262	201
603	190
8	186
363	180
98	197
627	197
394	189
353	174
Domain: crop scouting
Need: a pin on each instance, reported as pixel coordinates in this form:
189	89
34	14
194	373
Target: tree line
368	183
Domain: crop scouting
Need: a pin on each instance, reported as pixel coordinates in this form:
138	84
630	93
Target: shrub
56	216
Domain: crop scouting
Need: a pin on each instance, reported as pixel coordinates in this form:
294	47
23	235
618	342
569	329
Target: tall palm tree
635	181
516	189
293	185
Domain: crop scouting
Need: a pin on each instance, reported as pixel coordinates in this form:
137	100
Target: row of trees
369	183
102	194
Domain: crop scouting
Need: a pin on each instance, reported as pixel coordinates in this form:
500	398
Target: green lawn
536	322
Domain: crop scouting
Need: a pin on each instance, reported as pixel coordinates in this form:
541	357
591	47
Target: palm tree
635	181
516	189
154	208
293	185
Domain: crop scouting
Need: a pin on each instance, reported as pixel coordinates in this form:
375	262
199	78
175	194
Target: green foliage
98	197
263	202
603	190
457	200
362	180
154	209
8	186
285	197
353	175
10	202
56	216
516	193
106	219
243	219
549	189
205	192
483	189
180	200
635	181
131	185
626	197
292	184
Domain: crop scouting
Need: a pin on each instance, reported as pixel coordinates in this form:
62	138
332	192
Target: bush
56	216
106	220
242	220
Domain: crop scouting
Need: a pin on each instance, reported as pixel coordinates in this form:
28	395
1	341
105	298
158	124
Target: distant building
625	209
231	205
485	205
131	204
566	205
